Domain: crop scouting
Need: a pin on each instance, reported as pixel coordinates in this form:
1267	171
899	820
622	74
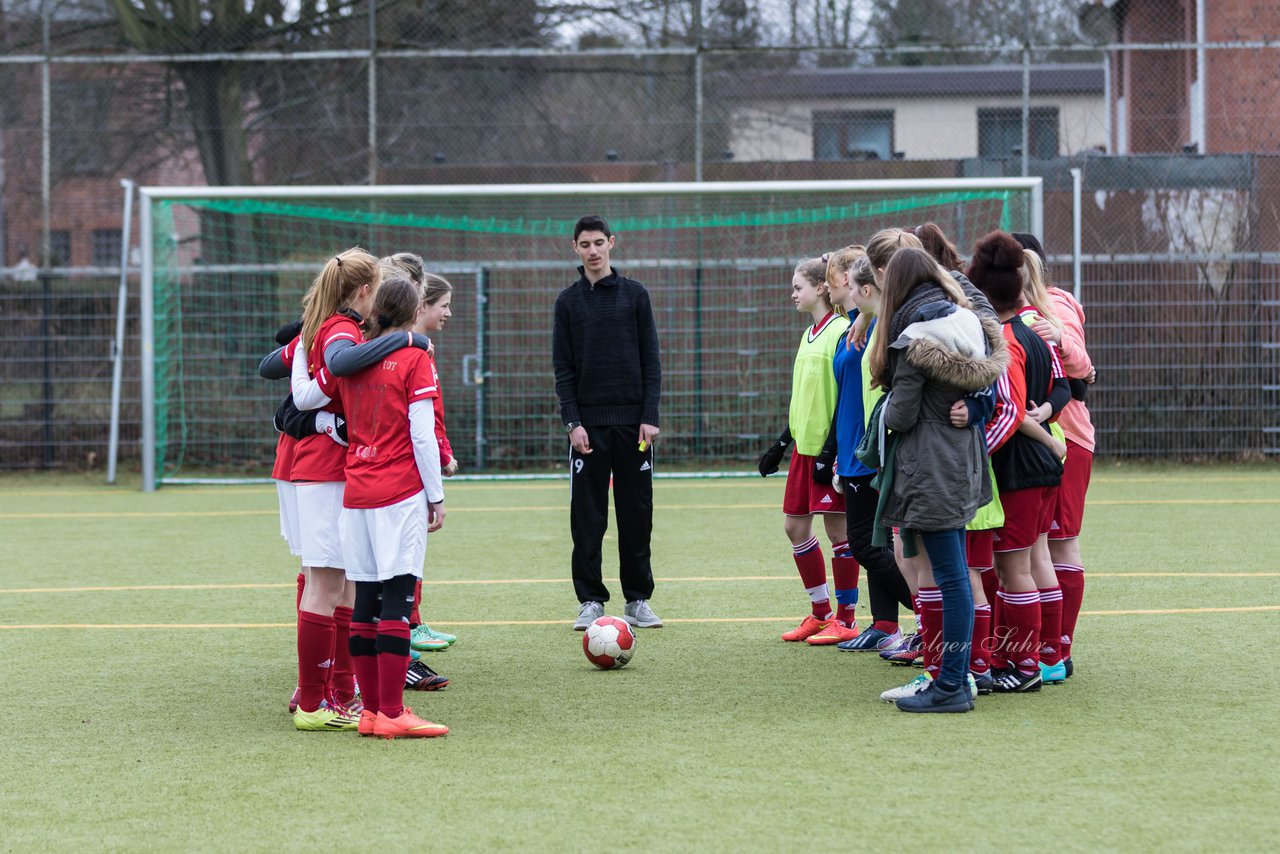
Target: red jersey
318	458
286	444
381	468
446	450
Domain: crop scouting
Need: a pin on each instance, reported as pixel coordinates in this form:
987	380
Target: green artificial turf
718	736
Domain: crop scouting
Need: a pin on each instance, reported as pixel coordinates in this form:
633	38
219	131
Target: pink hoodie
1074	418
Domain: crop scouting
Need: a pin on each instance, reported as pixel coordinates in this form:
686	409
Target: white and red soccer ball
609	643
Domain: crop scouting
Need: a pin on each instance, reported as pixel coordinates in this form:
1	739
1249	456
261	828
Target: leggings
886	588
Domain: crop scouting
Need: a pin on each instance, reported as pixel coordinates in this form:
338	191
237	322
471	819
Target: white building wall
923	128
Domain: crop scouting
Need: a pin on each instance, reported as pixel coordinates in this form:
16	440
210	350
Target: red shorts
1068	509
804	497
978	547
1027	514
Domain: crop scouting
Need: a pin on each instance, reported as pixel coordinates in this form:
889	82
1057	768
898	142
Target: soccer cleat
408	725
423	640
293	701
915	686
871	640
973	686
833	634
588	614
323	719
638	613
1053	674
367	718
934	699
983	682
911	653
444	636
809	627
419	677
911	641
1013	681
1066	662
351	709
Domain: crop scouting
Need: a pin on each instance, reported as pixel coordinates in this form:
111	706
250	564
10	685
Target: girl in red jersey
437	295
394	498
1063	328
332	312
809	491
1027	465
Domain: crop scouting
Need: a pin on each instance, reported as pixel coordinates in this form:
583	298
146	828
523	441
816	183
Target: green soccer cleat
324	719
425	640
444	636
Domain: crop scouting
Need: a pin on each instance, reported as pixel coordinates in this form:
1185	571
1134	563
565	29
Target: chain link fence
1168	109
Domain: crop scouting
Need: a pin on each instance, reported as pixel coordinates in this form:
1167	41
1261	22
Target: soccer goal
223	267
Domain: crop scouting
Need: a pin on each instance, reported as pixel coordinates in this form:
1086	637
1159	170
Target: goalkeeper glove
824	466
771	458
334	426
288	332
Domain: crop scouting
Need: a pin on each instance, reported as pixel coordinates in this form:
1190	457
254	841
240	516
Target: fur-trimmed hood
961	348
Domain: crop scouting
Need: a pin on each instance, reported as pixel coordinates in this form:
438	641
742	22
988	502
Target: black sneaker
1013	681
935	699
423	678
1070	669
983	680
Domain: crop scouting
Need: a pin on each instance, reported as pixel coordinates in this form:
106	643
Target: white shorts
288	495
319	506
384	542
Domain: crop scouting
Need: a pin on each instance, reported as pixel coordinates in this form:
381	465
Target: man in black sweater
609	381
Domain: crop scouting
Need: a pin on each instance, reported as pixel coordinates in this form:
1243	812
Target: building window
59	248
106	247
853	136
1000	132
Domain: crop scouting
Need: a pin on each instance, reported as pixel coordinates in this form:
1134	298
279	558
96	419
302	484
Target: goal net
223	268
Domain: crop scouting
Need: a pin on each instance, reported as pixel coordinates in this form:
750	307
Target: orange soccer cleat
408	725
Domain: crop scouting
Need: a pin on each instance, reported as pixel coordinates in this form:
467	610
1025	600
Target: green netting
228	272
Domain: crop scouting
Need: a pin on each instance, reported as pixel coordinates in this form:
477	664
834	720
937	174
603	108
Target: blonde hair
408	263
1036	290
838	263
342	276
885	242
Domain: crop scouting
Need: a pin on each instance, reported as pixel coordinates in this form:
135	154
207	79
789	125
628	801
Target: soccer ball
609	643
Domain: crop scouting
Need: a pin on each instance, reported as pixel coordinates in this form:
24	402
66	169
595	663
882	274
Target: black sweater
605	351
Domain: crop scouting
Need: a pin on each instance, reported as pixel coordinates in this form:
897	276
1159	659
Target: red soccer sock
999	630
844	575
980	648
1050	625
931	642
1021	612
302	584
415	616
315	658
343	681
1071	582
393	665
886	626
813	575
990	584
363	644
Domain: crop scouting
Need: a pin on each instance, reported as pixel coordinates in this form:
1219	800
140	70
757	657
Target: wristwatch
568	428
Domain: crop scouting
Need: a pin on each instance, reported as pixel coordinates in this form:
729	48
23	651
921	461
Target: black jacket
605	351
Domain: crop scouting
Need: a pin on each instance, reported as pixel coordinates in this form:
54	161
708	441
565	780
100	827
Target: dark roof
917	82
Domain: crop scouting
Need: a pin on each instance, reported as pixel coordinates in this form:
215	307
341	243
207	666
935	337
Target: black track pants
886	587
614	453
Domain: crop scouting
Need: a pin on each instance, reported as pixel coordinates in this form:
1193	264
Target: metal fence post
117	349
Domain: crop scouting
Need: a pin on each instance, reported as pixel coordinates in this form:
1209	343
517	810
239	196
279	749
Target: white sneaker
639	614
973	686
588	614
915	686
